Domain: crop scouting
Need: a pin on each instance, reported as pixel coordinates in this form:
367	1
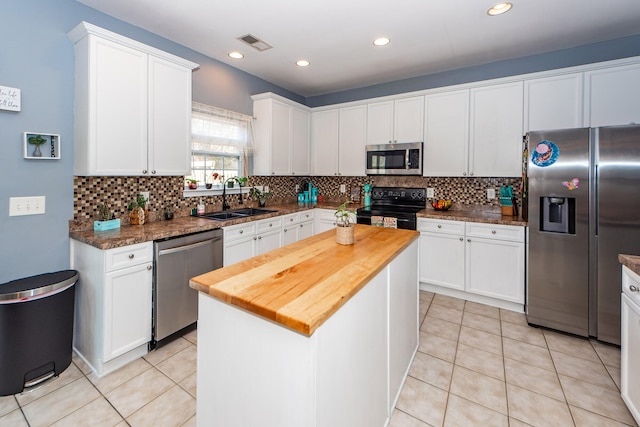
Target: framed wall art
41	146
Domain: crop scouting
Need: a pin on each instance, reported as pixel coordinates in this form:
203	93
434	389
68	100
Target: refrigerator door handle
594	199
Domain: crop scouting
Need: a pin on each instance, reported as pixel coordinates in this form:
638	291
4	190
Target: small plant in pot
260	196
137	211
242	180
168	211
192	183
344	227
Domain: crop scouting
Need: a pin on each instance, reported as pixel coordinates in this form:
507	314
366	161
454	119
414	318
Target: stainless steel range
400	204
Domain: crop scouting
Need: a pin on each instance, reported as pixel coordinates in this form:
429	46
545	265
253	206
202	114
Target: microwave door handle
406	159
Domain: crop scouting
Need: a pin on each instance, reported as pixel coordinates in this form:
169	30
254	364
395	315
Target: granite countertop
303	284
156	230
630	261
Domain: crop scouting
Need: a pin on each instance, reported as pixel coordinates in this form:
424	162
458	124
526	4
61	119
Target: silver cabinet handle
493	231
461	239
634	288
131	256
255	238
153	172
464	174
470	173
270	225
301	225
149	267
259	237
285	230
439	226
144	171
469	240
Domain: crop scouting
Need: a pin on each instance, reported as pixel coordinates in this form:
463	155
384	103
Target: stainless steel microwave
394	159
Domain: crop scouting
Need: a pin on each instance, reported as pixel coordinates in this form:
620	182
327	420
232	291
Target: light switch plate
491	193
430	193
343	188
19	206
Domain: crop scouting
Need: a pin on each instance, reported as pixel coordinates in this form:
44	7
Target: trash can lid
36	285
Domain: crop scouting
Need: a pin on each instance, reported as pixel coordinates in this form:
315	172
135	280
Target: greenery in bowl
343	214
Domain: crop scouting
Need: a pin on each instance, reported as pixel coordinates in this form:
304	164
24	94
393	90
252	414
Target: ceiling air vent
255	42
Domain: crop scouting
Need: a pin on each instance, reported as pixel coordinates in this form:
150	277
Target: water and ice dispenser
558	214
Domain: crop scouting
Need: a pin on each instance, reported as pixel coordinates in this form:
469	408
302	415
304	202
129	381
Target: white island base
349	372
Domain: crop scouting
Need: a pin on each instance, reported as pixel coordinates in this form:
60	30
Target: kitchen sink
236	213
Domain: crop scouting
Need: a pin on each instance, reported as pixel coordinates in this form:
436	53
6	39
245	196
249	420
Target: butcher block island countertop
302	284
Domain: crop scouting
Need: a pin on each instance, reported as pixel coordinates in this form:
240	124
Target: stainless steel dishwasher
175	304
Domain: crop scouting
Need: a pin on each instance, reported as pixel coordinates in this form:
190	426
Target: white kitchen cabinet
324	141
495	261
281	136
477	261
630	342
446	134
442	253
244	241
306	229
400	120
495	130
112	323
553	102
132	106
325	220
611	96
338	138
268	235
297	226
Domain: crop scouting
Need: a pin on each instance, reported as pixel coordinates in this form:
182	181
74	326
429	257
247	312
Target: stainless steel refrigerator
584	210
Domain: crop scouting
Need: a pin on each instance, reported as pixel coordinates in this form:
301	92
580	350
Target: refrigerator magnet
545	154
572	184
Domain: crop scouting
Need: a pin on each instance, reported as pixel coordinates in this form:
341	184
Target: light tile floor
476	366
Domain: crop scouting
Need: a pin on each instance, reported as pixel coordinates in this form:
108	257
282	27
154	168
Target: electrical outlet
431	193
343	188
26	205
297	188
491	193
145	194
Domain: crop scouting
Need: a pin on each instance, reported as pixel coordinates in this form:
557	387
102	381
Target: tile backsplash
118	192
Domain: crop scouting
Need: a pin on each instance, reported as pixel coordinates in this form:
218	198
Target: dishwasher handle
187	247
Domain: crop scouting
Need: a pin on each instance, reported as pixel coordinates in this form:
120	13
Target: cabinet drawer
495	231
128	256
293	218
440	226
307	215
269	224
325	214
239	231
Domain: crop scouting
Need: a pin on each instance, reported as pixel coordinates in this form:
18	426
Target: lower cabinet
112	324
630	342
476	261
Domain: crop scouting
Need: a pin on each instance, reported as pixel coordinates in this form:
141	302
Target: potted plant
137	211
242	180
37	140
260	196
105	221
344	227
168	211
192	183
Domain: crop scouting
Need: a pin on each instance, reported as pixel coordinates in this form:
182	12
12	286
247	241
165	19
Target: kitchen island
311	334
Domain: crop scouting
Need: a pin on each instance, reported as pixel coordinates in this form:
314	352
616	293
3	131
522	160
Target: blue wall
37	58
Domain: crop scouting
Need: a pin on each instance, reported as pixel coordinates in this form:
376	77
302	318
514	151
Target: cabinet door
553	102
290	234
169	118
352	140
324	140
127	310
239	250
495	268
630	348
612	96
306	229
117	122
380	123
268	241
442	260
299	142
408	124
496	130
280	139
446	134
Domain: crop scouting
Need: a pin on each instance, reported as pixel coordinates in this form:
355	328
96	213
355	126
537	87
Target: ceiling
427	36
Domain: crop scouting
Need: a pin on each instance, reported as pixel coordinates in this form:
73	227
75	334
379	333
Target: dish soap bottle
201	207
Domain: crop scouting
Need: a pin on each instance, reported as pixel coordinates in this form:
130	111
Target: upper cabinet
338	137
612	96
396	121
495	130
132	106
281	136
474	132
553	102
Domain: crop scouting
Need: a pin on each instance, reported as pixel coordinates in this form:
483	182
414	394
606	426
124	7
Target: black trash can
36	329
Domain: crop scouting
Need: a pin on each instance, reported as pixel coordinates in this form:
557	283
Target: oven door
407	222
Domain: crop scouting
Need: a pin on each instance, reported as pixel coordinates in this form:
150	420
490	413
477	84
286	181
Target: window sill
213	191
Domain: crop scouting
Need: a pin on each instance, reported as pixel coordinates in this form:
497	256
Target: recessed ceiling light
499	8
236	55
381	41
302	63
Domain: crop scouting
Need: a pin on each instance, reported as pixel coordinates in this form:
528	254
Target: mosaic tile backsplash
118	192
